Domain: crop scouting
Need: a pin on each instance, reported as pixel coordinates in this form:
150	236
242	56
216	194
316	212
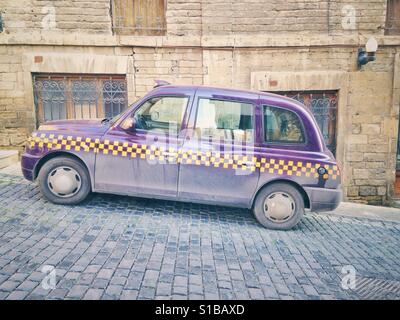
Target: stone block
375	156
352	191
371	129
381	191
357	139
368	191
354	156
361	173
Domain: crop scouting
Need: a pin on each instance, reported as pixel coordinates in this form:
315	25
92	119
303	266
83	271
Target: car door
218	164
143	160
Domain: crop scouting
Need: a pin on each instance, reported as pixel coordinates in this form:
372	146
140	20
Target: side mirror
128	124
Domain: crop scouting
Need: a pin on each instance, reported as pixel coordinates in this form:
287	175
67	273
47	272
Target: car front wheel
279	206
64	180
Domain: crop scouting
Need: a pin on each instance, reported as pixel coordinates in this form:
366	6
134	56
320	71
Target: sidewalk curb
364	211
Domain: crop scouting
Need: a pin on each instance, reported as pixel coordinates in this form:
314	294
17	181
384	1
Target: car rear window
282	126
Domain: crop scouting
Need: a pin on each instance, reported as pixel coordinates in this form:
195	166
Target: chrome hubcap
64	181
279	207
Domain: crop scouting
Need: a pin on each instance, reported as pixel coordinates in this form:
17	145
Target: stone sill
235	41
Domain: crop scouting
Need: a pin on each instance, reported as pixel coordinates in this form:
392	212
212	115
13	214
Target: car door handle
249	163
169	154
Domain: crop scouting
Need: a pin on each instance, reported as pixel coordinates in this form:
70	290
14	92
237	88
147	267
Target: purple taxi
198	144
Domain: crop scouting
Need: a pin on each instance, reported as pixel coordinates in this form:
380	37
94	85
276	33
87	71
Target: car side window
282	126
164	114
227	120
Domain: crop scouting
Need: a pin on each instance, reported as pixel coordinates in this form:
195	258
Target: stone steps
8	157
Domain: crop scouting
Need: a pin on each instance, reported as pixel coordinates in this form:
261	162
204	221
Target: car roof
233	91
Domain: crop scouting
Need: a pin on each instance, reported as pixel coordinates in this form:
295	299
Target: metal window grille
139	17
393	17
323	105
78	96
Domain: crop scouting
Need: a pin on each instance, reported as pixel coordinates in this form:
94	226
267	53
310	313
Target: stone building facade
306	49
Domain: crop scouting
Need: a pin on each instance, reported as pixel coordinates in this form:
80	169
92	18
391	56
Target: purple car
198	144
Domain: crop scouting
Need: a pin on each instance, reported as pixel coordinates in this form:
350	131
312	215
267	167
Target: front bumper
28	163
324	199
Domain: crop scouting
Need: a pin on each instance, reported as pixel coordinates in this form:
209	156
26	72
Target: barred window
139	17
78	96
393	17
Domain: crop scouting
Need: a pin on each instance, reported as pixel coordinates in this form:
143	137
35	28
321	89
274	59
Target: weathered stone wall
369	153
224	43
207	17
15	120
309	16
178	66
64	16
370	16
184	17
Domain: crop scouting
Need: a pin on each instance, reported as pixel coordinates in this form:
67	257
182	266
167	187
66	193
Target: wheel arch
55	154
306	198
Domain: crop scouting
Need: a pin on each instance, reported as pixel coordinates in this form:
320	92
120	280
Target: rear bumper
324	199
28	163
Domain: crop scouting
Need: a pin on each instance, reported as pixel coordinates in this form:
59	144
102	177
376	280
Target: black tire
54	163
258	208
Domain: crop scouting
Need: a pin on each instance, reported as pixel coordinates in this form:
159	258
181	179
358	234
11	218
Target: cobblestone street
128	248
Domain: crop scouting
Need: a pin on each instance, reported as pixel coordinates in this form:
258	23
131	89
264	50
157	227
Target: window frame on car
228	141
286	143
184	117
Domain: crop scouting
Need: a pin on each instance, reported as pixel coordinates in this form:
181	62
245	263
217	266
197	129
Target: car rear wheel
64	180
279	206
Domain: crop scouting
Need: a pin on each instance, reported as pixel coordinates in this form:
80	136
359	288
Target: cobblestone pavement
128	248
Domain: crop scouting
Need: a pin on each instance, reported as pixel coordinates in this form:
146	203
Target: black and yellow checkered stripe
208	159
